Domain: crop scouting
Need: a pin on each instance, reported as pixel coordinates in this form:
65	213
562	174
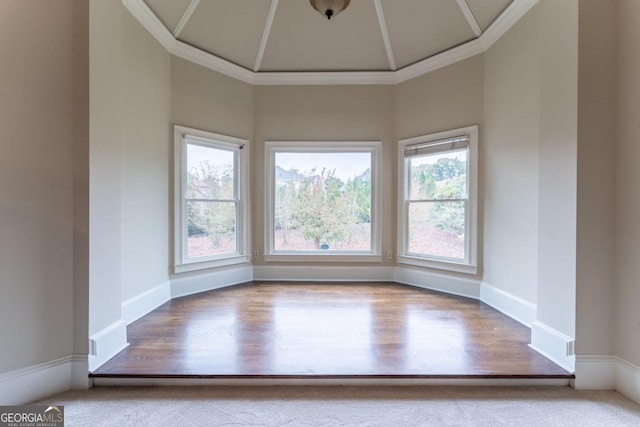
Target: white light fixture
329	8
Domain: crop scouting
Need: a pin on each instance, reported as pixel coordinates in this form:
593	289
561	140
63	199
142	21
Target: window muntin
437	205
322	200
437	200
211	210
211	200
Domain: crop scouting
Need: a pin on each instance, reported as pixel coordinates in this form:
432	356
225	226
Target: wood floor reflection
328	330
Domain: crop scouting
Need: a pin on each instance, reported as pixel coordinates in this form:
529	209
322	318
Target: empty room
387	195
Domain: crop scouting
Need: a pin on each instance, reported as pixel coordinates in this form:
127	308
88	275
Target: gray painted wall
42	126
145	162
449	98
627	244
106	59
509	168
596	177
206	100
129	162
557	165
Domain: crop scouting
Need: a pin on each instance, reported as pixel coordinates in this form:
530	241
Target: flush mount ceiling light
329	8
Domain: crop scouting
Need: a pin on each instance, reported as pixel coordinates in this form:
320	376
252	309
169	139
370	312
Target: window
322	201
210	200
437	200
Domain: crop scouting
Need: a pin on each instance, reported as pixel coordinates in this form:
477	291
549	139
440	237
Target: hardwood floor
327	330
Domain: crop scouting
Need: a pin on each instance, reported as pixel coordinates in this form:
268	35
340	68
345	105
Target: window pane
437	229
209	173
438	176
211	228
322	202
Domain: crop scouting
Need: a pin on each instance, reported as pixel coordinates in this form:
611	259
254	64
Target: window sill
315	257
210	263
438	264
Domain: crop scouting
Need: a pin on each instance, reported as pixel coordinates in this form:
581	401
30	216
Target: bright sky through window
346	165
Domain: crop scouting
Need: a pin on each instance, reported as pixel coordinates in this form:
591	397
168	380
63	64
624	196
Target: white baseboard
608	373
552	344
108	342
35	382
322	273
138	306
450	284
509	304
193	283
80	372
595	372
628	379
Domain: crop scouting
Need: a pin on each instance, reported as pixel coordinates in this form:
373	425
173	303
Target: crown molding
441	60
505	21
325	78
150	22
498	28
200	57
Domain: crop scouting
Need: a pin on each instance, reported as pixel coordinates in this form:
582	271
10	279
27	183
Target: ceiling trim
441	60
185	18
200	57
325	78
385	35
501	25
265	34
150	22
505	21
471	19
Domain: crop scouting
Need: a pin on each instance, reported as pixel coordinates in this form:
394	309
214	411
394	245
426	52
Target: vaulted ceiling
275	37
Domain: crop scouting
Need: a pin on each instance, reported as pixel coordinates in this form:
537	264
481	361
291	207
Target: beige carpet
346	406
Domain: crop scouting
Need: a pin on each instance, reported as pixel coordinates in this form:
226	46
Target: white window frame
469	265
183	135
373	147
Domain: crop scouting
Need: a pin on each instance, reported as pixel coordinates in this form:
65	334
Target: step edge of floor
324	376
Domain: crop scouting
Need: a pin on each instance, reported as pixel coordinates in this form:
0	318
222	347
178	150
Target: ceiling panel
168	11
419	29
231	29
486	11
303	40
